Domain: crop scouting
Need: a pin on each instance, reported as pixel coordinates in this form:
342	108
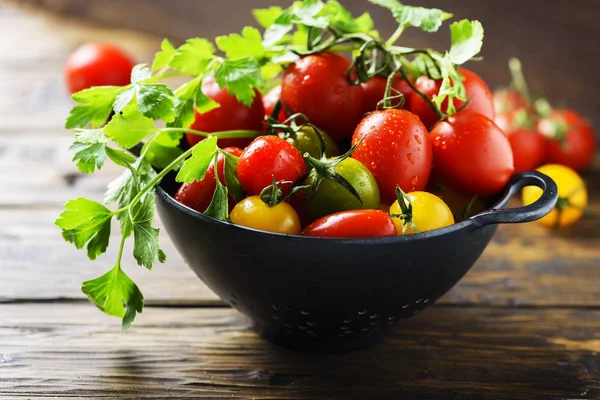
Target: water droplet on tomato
418	139
410	158
414	181
436	141
443	145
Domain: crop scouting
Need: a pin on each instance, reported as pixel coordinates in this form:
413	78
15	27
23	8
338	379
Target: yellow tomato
429	212
252	212
572	196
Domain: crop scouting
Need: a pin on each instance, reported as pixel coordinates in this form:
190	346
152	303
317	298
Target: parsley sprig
110	122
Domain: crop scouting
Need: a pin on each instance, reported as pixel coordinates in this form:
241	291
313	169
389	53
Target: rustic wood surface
523	324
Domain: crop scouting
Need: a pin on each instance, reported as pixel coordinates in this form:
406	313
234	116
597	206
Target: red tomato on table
97	64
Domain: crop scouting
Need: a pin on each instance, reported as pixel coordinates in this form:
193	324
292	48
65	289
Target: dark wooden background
556	40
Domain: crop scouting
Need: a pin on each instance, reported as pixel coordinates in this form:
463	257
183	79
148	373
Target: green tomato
331	197
305	140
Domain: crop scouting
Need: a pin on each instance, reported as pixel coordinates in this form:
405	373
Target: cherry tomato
528	147
331	197
572	196
571	139
252	212
396	149
462	206
429	212
198	194
230	116
471	154
509	100
265	157
374	92
97	64
270	99
481	98
353	224
317	86
306	141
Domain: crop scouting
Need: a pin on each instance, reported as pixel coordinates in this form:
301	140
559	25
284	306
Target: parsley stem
222	134
395	36
120	254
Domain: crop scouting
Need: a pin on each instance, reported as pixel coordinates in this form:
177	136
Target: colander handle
529	213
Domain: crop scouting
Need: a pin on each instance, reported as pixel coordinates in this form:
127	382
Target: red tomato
317	86
265	157
353	224
471	154
481	99
230	116
374	92
571	139
269	101
508	100
528	147
396	149
97	64
198	195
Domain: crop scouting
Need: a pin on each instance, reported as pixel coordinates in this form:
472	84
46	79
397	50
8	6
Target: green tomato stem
518	78
395	36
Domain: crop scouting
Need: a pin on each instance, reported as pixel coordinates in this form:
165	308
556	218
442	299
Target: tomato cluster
464	158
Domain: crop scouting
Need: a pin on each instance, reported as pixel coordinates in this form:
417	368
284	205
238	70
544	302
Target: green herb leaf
154	101
95	106
115	294
195	167
164	56
467	40
219	205
241	77
88	157
451	87
267	16
129	128
120	157
124	99
164	149
248	44
184	99
86	223
146	248
193	57
428	19
301	12
140	73
231	180
341	19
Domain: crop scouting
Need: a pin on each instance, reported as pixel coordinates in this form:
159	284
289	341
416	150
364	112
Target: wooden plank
524	265
445	353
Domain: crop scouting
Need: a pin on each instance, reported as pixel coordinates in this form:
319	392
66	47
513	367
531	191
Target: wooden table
523	324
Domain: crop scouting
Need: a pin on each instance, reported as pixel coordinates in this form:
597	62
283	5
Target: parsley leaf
115	294
467	40
340	18
231	179
164	56
184	99
249	44
90	149
120	157
241	77
267	16
195	167
146	248
451	87
161	151
154	101
86	222
301	12
428	19
219	205
140	73
95	106
129	128
193	56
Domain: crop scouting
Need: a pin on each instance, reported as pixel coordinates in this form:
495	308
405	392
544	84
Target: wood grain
465	353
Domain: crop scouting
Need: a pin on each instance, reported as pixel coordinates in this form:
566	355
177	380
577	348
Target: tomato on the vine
571	139
374	92
396	148
572	196
97	64
267	157
254	213
331	197
478	93
471	154
429	212
231	115
306	141
528	147
353	224
317	86
508	100
198	194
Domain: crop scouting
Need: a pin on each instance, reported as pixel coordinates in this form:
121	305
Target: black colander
331	295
